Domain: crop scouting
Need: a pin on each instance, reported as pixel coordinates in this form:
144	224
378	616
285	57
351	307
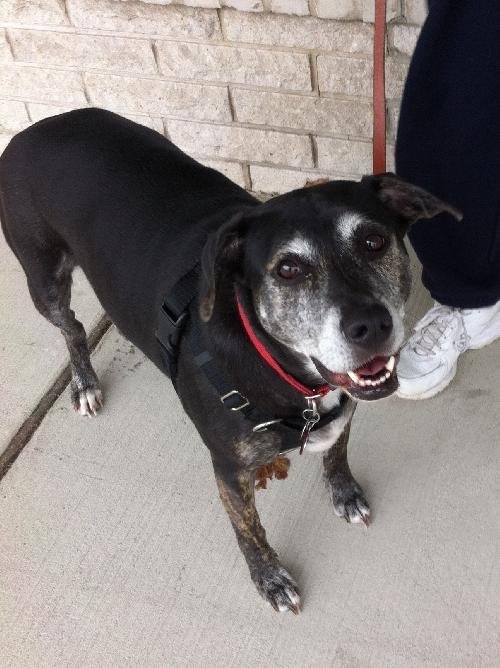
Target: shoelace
432	329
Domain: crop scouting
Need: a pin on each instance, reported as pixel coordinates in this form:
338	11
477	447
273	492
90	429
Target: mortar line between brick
314	72
270	128
247	177
165	127
36	417
204	41
187	82
232	108
28	112
309	95
86	91
154	49
67	12
9	44
289	168
221	24
314	151
260	127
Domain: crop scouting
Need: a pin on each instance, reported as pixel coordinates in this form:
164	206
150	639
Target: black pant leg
449	142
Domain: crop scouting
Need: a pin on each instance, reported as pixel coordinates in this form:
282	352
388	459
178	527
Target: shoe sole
431	392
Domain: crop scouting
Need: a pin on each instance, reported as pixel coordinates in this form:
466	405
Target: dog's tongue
372	367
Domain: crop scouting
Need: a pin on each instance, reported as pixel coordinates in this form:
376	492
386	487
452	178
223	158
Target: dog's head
327	274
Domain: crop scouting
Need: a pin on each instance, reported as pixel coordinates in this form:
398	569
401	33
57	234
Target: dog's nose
367	326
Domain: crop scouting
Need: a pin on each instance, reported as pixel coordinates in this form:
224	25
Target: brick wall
270	92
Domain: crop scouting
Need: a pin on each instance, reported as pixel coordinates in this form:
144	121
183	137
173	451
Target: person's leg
449	143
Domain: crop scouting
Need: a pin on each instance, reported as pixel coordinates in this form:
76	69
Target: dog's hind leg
273	582
348	498
49	281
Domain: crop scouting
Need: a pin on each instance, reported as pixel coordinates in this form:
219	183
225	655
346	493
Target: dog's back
94	189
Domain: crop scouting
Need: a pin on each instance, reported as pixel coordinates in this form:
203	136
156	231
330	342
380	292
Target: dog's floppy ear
222	249
406	200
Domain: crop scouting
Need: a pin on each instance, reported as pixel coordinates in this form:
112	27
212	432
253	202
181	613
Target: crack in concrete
25	432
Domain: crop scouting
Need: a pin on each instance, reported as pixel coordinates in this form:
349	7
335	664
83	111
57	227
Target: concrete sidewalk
115	550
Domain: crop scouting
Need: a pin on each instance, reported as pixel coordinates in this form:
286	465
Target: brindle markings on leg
273	582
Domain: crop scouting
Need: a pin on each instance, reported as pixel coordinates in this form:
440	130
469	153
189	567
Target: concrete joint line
34	420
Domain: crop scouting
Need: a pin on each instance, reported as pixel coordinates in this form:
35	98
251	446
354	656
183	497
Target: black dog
295	313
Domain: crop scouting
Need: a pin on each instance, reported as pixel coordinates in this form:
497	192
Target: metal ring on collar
263	426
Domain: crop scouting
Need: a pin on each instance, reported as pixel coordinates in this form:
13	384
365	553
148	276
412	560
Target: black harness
172	320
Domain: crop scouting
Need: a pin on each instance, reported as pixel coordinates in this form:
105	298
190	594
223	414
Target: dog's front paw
86	401
277	587
349	501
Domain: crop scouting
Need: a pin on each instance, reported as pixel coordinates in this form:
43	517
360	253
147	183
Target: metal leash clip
311	417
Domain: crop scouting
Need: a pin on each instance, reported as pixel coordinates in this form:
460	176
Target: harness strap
172	317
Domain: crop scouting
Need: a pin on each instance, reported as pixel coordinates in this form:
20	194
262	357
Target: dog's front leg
273	582
348	498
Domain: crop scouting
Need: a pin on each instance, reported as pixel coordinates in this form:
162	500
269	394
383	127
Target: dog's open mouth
375	379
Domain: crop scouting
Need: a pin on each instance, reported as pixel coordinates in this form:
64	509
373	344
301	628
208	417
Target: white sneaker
428	360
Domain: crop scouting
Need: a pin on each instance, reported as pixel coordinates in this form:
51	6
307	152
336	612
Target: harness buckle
234	395
170	328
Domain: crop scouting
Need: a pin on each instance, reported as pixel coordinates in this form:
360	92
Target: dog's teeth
375	382
390	364
353	376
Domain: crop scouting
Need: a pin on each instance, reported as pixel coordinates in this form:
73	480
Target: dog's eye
374	242
290	269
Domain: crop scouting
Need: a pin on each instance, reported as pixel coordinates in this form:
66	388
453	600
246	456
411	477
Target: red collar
269	359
